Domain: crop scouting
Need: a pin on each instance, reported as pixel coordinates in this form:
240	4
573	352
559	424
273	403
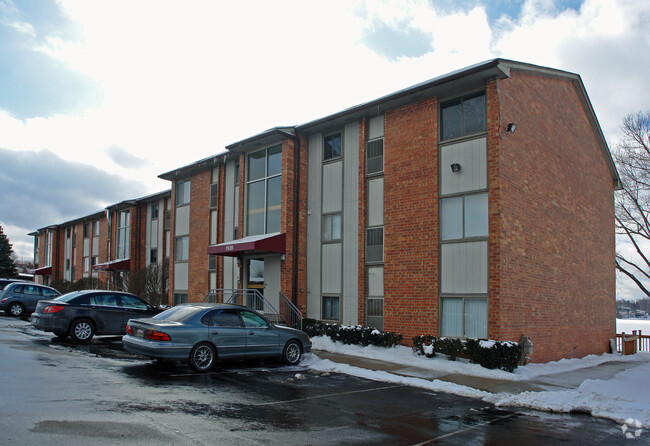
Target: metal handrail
295	315
254	300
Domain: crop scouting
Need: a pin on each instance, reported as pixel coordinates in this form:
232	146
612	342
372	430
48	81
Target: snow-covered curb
622	397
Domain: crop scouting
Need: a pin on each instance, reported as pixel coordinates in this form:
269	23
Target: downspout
296	219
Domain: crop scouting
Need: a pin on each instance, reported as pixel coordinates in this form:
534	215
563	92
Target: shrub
489	354
355	334
425	345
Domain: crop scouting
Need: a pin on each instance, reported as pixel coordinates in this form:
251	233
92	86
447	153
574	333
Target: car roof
207	305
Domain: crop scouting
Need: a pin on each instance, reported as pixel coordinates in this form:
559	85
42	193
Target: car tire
82	331
203	357
292	352
15	309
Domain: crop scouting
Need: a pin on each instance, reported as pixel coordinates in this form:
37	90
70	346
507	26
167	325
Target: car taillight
129	330
156	335
53	308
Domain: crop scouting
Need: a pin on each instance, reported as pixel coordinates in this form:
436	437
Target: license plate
139	332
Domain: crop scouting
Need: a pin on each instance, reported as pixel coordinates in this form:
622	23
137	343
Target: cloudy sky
97	98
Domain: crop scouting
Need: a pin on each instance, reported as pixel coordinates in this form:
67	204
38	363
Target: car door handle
251	332
215	332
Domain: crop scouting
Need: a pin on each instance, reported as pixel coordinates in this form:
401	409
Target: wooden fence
631	343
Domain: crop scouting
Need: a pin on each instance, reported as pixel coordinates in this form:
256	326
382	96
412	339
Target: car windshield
178	314
67	297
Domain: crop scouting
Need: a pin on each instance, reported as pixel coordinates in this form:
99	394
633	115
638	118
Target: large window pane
255	222
275	160
330	308
451	119
331	227
273	204
451	221
476	318
474	114
476	215
257	165
452	317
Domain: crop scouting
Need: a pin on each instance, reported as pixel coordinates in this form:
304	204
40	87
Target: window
180	298
96	228
154	211
463	116
253	320
182	249
168	219
332	147
105	300
94	260
464	217
375	156
374	245
464	317
183	192
212	263
153	255
264	192
86	230
123	233
330	310
86	265
213	195
48	248
132	302
226	318
331	227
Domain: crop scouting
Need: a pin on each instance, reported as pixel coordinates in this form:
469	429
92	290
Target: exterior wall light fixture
511	127
455	167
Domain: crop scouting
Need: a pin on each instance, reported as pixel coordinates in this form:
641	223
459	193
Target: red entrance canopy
254	244
113	265
44	271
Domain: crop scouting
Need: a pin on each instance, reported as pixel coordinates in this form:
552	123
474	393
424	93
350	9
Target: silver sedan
204	333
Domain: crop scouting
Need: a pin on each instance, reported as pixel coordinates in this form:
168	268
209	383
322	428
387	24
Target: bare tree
633	202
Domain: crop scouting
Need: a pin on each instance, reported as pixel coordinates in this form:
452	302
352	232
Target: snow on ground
627	325
622	397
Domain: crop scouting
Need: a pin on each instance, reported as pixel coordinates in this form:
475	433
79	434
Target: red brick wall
198	275
411	219
556	220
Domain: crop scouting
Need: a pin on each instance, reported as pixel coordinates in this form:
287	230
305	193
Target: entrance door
255	281
272	281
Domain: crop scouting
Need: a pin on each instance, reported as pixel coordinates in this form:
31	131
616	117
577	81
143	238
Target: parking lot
58	392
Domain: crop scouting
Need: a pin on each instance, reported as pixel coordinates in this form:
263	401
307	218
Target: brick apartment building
476	204
107	245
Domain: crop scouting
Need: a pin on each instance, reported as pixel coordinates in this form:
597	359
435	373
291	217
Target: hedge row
489	354
355	334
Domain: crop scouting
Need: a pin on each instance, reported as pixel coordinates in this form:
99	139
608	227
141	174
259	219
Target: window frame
331	238
338	307
264	180
463	237
333	157
183	192
461	100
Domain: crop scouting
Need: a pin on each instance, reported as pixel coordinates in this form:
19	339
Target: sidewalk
556	381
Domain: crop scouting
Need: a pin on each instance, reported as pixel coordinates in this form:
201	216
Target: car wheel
82	330
202	357
15	309
292	353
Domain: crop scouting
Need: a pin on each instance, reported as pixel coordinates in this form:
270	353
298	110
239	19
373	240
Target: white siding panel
86	247
376	202
472	157
182	220
213	227
229	204
180	277
154	233
96	246
350	225
376	127
464	268
376	281
332	186
332	268
314	170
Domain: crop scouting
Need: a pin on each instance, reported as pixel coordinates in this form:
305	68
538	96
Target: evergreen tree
7	266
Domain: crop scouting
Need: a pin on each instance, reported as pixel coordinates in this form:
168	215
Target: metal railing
253	299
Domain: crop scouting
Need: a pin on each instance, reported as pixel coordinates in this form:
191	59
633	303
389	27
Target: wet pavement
57	392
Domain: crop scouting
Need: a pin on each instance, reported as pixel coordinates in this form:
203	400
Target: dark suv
19	298
5	282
